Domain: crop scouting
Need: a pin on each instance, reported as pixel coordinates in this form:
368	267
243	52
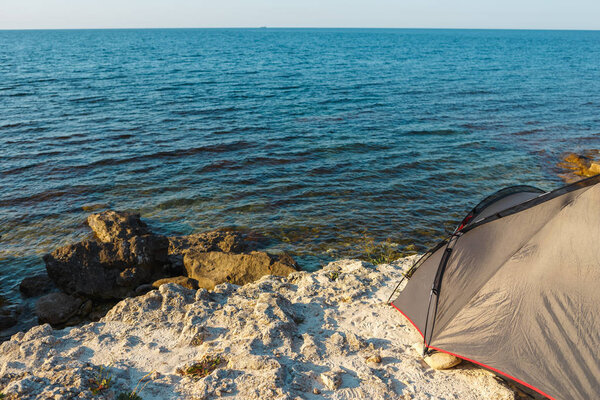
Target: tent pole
437	283
396	288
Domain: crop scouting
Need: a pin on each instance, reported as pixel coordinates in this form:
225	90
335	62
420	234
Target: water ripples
313	138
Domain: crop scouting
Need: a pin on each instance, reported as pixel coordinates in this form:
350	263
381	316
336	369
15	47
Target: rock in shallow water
36	285
57	308
111	225
217	267
225	241
107	270
9	313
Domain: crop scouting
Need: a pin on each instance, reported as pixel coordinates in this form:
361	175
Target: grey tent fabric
516	290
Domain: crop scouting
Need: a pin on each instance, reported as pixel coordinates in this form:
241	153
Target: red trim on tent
473	361
406	316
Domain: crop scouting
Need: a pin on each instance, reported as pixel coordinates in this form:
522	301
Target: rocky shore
124	258
130	314
326	334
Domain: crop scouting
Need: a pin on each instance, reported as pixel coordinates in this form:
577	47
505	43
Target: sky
492	14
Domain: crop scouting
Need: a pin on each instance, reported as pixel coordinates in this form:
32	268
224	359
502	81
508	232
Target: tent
516	289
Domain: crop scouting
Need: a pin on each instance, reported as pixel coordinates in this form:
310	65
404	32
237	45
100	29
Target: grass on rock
202	368
380	253
101	380
128	396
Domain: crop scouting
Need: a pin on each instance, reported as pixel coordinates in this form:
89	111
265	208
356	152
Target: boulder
111	225
226	241
331	379
217	267
439	360
583	165
57	308
108	270
36	285
184	281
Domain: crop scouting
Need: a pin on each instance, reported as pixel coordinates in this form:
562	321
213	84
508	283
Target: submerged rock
9	314
57	308
36	285
108	270
217	267
111	225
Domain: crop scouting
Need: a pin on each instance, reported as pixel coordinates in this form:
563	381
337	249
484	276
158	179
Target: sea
322	141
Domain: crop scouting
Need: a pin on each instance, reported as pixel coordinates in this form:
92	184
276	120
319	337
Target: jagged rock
335	344
584	165
108	270
331	380
439	360
355	343
57	308
179	280
36	285
239	269
8	313
111	225
225	241
309	348
374	359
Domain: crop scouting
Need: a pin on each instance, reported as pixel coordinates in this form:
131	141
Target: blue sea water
314	138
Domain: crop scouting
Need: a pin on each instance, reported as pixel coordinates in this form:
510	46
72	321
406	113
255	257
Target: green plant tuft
128	396
334	275
379	253
100	381
202	368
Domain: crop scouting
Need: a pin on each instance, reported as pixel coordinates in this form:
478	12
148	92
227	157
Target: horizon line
303	27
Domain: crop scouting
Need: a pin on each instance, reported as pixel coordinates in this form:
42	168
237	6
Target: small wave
241	129
205	111
14	125
220	165
88	100
178	202
18	170
47	195
270	161
435	132
216	148
527	132
20	94
473	92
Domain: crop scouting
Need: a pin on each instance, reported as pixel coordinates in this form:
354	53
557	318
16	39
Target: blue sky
512	14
